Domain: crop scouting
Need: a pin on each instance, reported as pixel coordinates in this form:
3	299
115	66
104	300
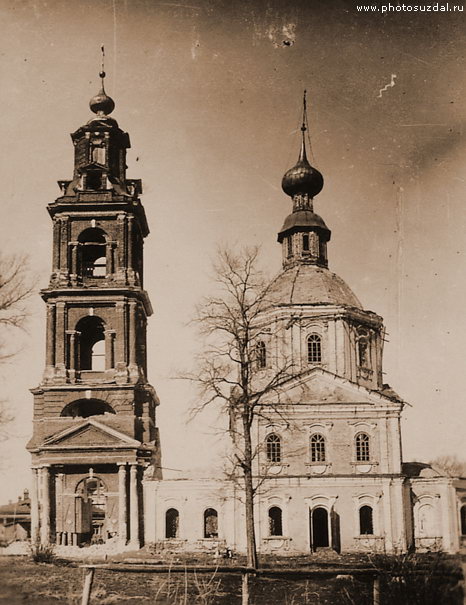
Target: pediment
90	434
319	386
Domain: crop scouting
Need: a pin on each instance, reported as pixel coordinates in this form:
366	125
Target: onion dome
302	178
101	103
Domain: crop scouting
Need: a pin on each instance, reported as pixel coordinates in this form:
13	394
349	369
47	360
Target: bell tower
94	430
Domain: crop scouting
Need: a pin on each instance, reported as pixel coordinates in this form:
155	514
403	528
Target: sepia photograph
232	302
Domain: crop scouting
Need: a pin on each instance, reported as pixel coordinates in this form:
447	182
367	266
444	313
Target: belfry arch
84	408
91	343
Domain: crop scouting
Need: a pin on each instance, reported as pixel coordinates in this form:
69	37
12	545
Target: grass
404	581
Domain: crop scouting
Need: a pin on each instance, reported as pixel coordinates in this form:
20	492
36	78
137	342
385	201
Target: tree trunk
249	495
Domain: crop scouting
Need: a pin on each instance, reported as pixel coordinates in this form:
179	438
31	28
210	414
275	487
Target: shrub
43	553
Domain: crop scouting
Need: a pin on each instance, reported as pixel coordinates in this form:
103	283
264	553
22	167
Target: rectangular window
306	242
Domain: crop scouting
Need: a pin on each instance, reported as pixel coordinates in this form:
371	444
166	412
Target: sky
210	93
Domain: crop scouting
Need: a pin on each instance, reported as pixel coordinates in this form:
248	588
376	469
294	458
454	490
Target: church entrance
319	528
92	501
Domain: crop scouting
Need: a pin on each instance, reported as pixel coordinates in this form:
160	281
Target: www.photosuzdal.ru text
421	8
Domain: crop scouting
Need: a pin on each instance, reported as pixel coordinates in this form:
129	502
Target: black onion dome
302	178
101	103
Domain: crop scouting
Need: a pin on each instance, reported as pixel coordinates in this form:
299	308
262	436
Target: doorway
319	528
92	505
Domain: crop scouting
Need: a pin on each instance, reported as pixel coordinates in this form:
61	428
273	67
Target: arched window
83	408
93	252
463	520
91	343
366	525
274	448
275	521
362	447
426	521
210	523
172	518
261	355
317	448
314	348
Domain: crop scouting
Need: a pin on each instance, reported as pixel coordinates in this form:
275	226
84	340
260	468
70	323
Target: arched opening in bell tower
91	350
83	408
93	252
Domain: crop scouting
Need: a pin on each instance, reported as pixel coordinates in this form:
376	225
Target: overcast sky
210	93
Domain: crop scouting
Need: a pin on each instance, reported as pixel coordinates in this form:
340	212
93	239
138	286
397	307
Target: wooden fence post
376	591
244	588
88	586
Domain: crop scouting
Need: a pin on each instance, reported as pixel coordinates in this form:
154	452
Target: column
120	334
109	352
109	258
72	348
121	234
133	507
122	533
63	245
74	259
50	341
130	241
45	516
387	531
132	333
56	246
34	508
60	335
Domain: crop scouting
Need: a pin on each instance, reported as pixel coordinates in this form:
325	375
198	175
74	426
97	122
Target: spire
302	155
101	103
302	180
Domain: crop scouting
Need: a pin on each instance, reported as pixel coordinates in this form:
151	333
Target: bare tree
451	466
228	368
16	286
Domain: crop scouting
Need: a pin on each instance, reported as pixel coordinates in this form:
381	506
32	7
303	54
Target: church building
330	457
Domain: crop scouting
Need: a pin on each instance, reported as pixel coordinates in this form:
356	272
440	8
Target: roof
307	284
302	219
16	509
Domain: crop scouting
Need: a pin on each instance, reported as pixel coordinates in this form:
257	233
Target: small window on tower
98	152
289	244
363	349
314	349
306	242
261	355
